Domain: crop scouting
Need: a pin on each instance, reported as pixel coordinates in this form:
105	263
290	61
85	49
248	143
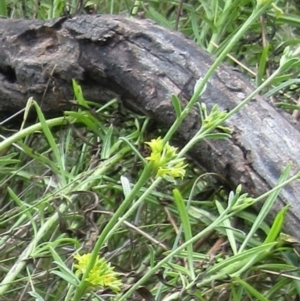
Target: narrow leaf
176	105
277	225
185	222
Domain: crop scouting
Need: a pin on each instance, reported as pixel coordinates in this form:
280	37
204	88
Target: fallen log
144	64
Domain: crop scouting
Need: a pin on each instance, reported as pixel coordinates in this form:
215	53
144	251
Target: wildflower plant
102	275
166	162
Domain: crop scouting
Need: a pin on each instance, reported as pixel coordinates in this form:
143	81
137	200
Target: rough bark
143	64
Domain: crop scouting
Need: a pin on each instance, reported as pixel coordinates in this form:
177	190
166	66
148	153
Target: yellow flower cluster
165	160
101	275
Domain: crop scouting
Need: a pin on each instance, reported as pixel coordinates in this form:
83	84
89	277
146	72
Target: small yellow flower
156	145
101	275
155	157
176	171
171	150
83	261
166	163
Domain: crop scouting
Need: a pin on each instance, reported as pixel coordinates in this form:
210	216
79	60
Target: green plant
92	187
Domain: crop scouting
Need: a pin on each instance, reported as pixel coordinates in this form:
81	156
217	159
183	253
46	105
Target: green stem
159	265
114	221
22	259
133	207
283	184
255	14
32	129
200	135
222	19
136	7
25	255
252	95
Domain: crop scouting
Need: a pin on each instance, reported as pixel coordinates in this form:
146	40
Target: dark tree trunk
143	64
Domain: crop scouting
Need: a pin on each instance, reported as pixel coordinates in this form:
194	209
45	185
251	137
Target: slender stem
219	27
107	231
134	207
252	95
33	128
22	259
255	14
159	265
200	135
136	7
283	184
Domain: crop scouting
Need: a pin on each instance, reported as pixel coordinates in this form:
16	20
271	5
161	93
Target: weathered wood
143	64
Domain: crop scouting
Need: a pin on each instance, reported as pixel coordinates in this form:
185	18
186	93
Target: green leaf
256	294
65	276
241	259
36	296
59	159
278	11
55	256
27	111
3	9
159	18
65	273
134	149
78	94
228	229
216	136
176	105
195	27
198	85
277	225
90	121
106	146
185	222
262	65
8	159
126	186
268	204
